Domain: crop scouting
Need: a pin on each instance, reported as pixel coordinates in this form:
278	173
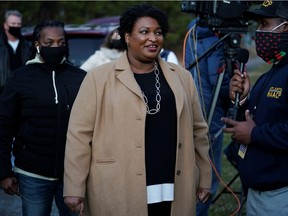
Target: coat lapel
125	75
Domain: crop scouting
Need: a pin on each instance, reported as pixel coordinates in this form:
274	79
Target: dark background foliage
78	12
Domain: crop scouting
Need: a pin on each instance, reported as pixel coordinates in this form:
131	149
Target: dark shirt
160	131
15	57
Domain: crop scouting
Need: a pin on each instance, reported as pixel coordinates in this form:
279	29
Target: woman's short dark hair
131	15
37	33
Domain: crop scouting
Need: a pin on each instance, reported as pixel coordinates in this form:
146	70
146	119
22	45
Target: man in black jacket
35	107
14	50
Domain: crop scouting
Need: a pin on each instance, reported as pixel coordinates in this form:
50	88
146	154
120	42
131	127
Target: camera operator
205	74
265	128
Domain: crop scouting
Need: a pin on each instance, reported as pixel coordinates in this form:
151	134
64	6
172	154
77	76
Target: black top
160	131
37	117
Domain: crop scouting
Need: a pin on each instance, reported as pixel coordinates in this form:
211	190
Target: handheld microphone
242	57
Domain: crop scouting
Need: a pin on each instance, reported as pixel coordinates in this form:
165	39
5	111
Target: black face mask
15	31
271	46
116	44
52	55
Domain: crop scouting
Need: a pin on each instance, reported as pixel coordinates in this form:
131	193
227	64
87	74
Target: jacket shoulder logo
274	92
267	3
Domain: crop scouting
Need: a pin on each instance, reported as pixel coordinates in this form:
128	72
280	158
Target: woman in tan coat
137	141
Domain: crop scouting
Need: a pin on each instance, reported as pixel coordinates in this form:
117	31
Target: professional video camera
221	16
225	18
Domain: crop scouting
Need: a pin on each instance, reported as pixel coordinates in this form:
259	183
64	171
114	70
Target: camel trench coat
105	149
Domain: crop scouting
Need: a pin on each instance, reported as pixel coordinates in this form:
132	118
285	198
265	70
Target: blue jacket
209	67
265	166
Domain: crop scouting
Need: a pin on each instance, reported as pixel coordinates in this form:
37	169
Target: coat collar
125	75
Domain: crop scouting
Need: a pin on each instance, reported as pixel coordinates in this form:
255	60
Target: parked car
82	41
108	22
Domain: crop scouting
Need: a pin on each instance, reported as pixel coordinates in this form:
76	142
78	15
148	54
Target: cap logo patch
267	3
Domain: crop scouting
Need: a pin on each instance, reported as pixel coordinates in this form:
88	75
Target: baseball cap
270	9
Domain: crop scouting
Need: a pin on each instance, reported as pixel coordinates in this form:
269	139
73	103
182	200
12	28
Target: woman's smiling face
146	39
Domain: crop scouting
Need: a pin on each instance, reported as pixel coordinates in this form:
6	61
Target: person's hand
203	194
10	185
75	204
241	131
239	83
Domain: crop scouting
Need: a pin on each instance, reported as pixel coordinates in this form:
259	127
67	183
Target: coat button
178	172
180	145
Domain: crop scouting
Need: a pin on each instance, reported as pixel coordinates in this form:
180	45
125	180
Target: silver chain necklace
157	97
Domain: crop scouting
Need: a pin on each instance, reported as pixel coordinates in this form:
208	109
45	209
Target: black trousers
159	209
